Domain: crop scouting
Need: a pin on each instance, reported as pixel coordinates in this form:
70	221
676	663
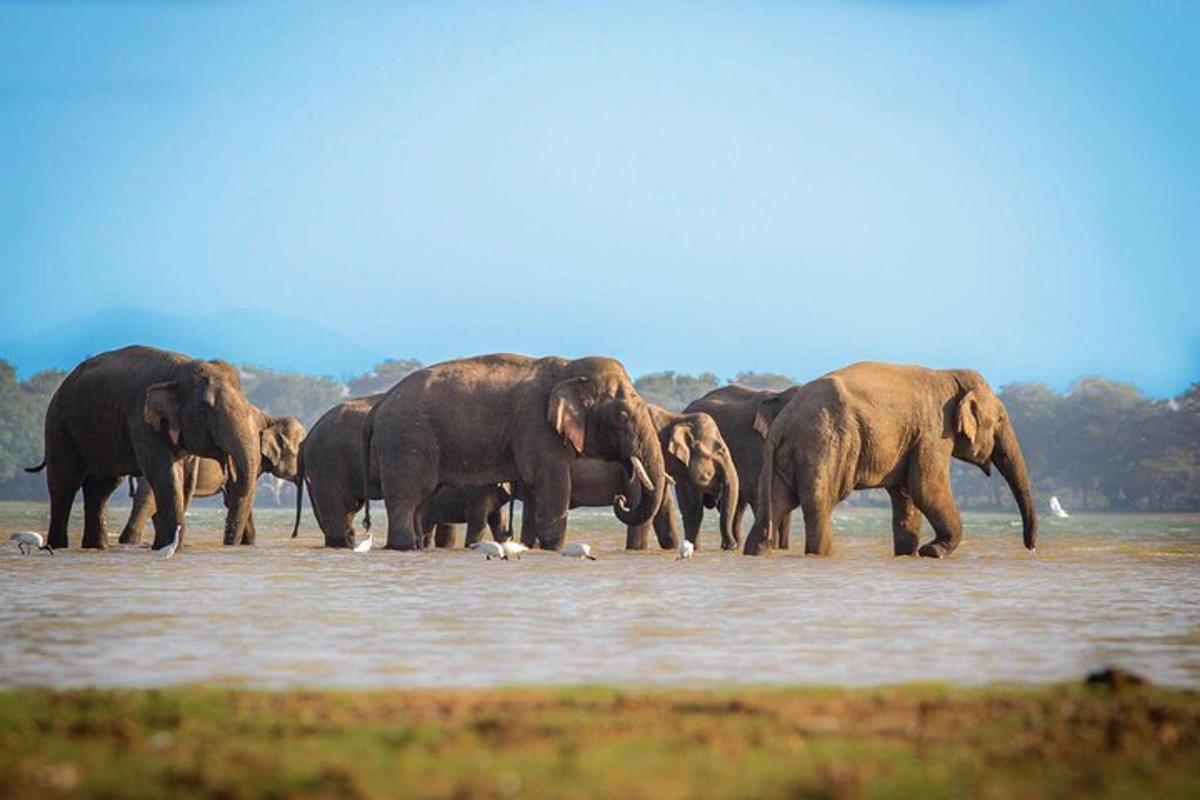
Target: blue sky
1013	186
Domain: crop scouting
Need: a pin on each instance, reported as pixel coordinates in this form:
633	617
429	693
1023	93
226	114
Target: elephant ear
766	413
161	409
270	441
566	411
968	416
680	444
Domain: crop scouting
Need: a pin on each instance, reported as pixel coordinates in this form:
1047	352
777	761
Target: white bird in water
686	549
513	549
27	540
490	549
578	550
365	544
169	550
1057	510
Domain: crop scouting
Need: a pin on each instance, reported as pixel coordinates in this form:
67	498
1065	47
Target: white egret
169	550
578	550
1057	510
365	544
686	549
27	540
490	549
513	549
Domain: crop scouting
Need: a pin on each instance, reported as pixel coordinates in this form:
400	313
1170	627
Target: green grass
927	741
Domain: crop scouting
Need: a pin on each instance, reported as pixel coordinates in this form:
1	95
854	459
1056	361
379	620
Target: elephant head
280	440
599	415
695	452
769	407
983	436
203	412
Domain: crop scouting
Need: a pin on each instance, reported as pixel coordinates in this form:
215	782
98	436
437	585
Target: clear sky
1013	186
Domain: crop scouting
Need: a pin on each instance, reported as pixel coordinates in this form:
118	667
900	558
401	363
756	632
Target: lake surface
1101	589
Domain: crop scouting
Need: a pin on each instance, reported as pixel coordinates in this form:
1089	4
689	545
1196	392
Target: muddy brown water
1101	589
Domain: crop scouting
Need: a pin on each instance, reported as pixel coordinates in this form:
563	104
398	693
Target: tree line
1103	445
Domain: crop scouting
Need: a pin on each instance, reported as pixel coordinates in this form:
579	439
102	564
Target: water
1100	590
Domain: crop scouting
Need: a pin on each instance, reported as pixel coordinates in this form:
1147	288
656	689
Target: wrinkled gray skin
697	461
280	439
874	425
331	466
507	418
743	416
141	411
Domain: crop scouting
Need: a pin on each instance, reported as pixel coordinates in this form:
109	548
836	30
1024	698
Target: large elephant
141	411
506	418
280	439
874	425
331	465
743	416
697	462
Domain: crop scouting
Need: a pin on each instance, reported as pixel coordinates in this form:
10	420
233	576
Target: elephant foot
728	545
128	537
935	549
755	547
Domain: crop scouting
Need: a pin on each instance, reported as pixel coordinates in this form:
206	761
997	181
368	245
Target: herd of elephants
454	442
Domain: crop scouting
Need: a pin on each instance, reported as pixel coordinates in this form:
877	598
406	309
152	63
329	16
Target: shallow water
1101	589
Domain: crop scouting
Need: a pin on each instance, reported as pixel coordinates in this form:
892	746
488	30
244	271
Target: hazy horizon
1012	186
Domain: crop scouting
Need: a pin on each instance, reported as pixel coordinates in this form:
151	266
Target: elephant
140	411
698	463
280	439
874	425
743	416
331	466
506	418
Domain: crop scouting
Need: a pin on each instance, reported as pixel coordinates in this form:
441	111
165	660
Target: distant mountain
240	336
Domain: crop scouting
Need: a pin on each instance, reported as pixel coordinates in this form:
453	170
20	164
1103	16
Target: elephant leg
143	509
63	484
96	491
935	499
637	536
527	536
406	487
785	531
446	535
249	534
906	522
664	524
335	515
817	506
166	481
497	522
553	493
691	509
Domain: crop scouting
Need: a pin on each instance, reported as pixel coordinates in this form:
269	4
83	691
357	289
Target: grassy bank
596	742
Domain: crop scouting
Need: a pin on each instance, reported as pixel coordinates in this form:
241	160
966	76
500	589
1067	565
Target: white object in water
513	549
1057	510
27	540
686	549
169	550
365	544
578	550
490	549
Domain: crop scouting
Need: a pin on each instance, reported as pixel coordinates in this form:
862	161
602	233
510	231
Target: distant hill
242	337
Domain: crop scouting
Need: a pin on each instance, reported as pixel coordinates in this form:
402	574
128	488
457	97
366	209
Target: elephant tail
368	431
39	467
299	491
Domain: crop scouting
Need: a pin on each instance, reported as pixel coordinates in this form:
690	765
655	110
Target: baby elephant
474	505
896	427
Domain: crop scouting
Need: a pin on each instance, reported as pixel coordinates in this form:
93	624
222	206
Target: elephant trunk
243	460
1010	461
729	502
648	466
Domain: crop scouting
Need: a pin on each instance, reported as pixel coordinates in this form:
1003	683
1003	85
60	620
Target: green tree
21	415
289	393
384	376
673	390
764	380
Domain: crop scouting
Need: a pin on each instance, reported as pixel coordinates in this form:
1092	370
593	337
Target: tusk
233	475
174	434
640	471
